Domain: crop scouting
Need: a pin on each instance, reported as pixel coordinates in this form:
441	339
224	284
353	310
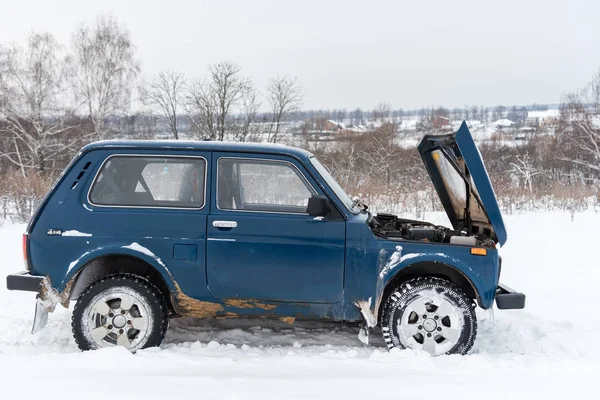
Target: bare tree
201	107
247	128
33	120
105	67
211	103
284	97
165	92
483	114
381	113
229	87
579	130
345	163
525	170
475	113
498	112
378	152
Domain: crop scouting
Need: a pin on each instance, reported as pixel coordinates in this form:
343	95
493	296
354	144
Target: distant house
525	133
323	127
331	126
503	123
441	122
532	121
540	119
357	128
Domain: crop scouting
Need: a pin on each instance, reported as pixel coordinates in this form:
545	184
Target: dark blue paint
185	252
306	267
274	256
481	179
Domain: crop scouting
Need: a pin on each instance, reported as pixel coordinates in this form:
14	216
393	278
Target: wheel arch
103	265
428	268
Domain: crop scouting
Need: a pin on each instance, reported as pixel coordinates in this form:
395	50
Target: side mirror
318	206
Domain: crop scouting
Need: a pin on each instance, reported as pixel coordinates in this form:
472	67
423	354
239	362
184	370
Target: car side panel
372	262
146	233
158	236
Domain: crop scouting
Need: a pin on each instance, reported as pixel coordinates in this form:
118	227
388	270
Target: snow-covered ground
548	350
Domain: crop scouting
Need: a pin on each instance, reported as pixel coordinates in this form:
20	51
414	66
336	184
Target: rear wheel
429	314
120	310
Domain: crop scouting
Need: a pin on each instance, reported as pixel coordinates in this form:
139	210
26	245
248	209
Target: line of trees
391	178
55	98
558	170
360	116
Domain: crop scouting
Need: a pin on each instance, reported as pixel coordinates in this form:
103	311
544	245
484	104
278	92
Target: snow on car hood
457	171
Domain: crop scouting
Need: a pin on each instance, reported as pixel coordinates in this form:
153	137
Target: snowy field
550	350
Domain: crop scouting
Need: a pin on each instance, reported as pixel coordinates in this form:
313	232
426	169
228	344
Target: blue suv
138	232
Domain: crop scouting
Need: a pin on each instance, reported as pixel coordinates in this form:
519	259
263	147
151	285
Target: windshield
340	193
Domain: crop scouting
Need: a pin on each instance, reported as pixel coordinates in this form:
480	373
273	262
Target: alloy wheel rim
118	317
431	323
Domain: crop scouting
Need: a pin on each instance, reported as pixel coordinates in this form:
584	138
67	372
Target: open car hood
456	168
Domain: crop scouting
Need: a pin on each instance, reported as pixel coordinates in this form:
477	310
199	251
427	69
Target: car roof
205	145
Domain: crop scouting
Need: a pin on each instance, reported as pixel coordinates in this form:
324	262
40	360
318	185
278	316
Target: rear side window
132	181
261	185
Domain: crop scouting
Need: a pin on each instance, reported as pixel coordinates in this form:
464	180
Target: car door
261	243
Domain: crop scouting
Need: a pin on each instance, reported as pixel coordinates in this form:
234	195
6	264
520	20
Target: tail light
25	251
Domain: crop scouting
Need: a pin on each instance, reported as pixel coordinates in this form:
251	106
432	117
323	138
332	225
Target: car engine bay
391	227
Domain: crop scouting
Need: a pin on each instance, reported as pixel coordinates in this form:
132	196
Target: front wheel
120	310
429	314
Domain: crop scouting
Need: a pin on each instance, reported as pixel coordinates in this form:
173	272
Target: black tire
133	284
399	302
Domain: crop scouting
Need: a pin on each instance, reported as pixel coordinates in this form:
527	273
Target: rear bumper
24	281
509	299
45	301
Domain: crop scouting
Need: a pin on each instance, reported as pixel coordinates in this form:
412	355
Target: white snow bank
546	351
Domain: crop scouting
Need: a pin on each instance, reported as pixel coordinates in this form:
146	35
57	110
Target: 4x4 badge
54	232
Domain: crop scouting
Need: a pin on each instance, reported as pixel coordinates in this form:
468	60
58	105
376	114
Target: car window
150	182
261	185
341	194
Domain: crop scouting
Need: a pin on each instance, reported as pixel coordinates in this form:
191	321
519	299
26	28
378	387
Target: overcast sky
355	53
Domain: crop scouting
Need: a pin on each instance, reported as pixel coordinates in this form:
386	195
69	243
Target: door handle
224	224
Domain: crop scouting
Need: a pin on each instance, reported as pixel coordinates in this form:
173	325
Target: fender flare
388	271
131	250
